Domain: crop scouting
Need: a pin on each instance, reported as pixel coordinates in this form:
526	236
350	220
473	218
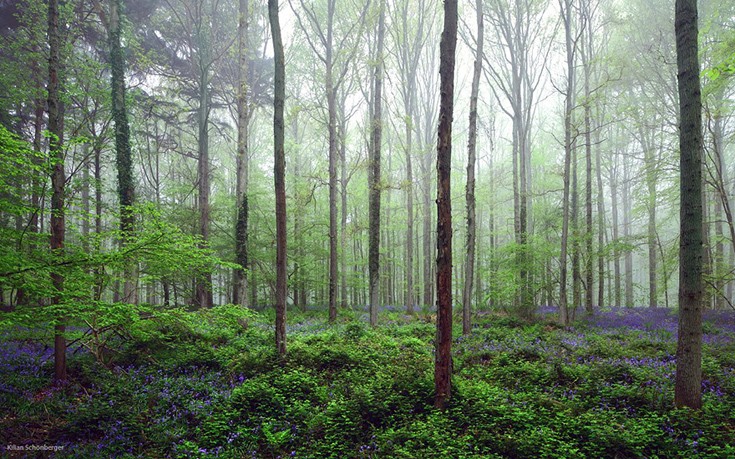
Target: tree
410	39
469	272
569	145
376	130
443	355
279	96
125	181
58	179
240	285
336	60
519	29
688	385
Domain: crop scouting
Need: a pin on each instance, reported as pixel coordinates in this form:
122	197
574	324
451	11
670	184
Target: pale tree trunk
240	284
615	230
203	285
564	313
600	221
651	174
576	268
688	384
374	175
343	210
627	210
279	96
469	272
58	180
588	233
443	354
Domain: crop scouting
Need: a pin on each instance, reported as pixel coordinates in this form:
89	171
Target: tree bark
279	96
564	315
374	177
443	355
204	280
58	180
240	283
125	180
469	273
688	380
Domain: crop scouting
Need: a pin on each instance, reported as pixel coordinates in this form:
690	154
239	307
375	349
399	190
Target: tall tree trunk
239	280
651	177
688	385
469	273
720	201
279	96
343	207
627	211
58	180
600	222
125	181
332	126
615	230
564	313
203	292
374	175
409	299
588	233
443	355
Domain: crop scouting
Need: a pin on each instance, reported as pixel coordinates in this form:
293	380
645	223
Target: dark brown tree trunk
688	385
374	175
125	181
240	283
443	355
279	96
58	180
469	272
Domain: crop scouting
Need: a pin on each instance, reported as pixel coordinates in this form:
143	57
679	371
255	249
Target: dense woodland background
190	176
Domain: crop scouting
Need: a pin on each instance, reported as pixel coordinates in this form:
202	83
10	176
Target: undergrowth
190	385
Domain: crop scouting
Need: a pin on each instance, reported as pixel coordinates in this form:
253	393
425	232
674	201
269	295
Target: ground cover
210	385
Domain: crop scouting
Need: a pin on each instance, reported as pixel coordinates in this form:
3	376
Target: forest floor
201	384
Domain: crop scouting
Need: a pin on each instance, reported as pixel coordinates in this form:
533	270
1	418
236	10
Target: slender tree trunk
343	210
125	181
588	234
443	355
374	174
427	246
409	220
651	177
469	273
688	385
600	223
279	94
203	285
239	280
58	180
615	231
564	313
627	205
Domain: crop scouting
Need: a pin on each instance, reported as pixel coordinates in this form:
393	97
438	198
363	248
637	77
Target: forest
367	228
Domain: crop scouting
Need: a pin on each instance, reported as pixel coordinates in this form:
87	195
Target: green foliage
199	383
